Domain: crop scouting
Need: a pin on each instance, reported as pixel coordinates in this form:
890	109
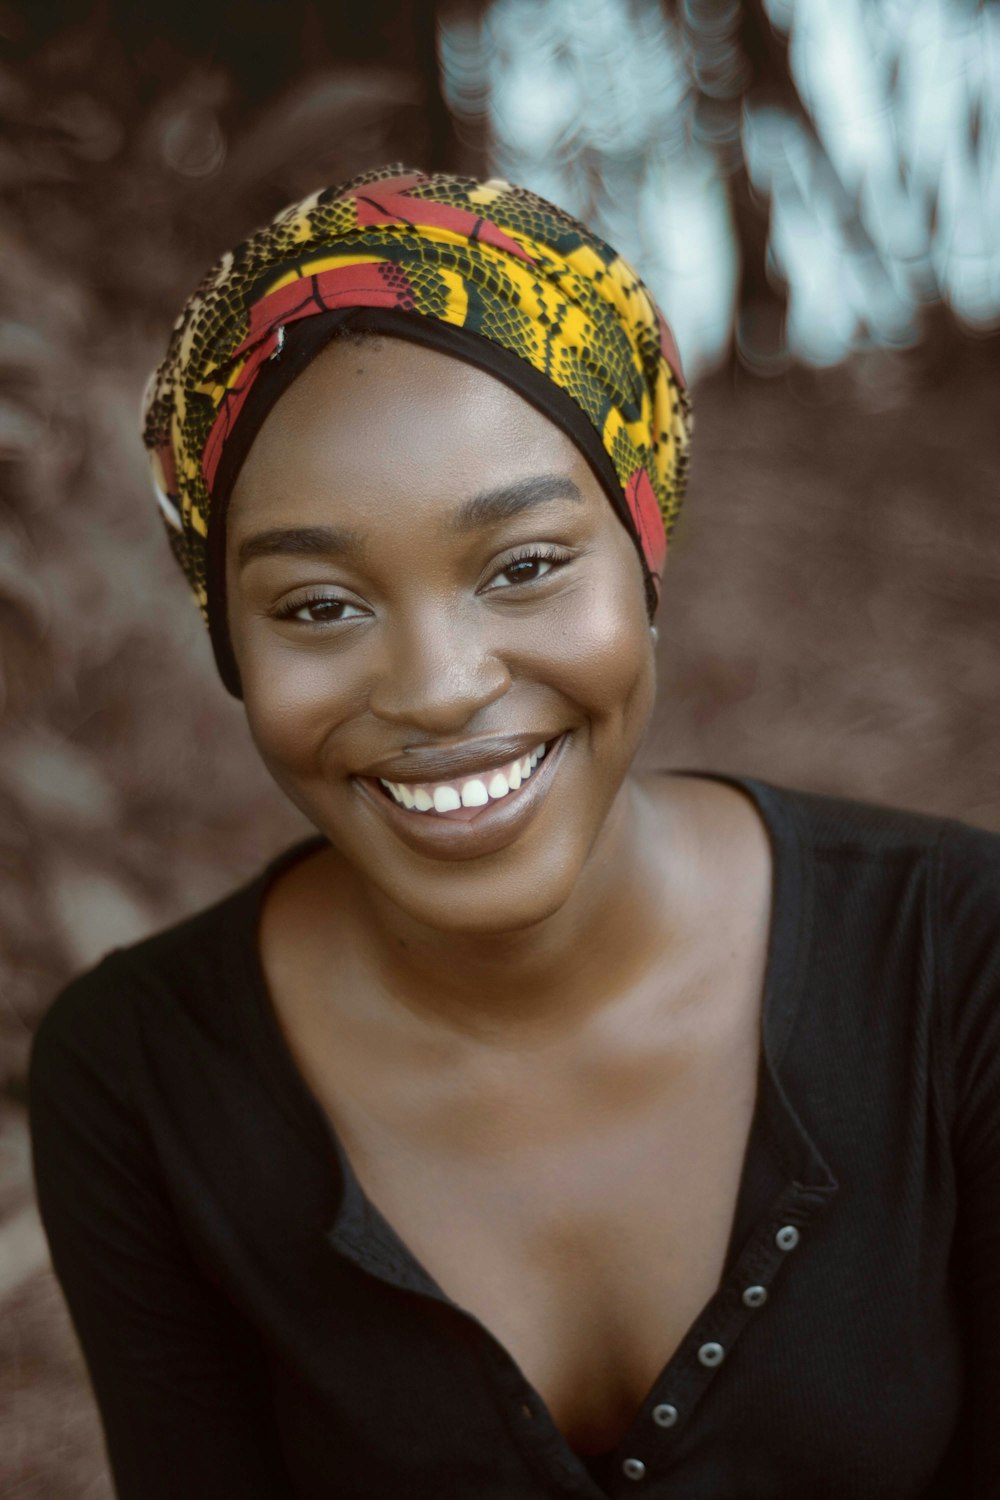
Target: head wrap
483	270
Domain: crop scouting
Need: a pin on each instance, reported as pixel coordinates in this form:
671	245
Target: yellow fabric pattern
487	257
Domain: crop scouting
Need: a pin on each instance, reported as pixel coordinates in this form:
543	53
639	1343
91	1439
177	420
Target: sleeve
179	1377
970	938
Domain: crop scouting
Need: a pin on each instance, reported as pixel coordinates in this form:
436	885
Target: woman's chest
587	1250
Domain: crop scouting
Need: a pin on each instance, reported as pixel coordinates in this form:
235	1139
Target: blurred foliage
800	177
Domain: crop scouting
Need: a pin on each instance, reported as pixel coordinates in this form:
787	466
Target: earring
654	633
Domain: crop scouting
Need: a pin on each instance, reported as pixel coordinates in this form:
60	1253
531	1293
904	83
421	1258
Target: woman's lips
464	797
466	832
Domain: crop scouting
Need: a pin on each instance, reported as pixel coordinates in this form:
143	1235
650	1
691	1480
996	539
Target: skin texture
507	1042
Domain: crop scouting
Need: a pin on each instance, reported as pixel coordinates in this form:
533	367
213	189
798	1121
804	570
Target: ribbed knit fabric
254	1328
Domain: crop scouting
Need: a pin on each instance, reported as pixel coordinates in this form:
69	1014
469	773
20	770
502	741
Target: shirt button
665	1415
755	1296
787	1238
634	1468
711	1354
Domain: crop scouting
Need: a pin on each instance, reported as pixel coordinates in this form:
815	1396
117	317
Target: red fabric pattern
388	208
649	522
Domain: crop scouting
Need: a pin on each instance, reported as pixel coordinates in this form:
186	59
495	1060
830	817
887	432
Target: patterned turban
482	270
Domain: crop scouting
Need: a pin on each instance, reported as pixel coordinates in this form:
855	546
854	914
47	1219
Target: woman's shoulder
913	881
960	859
865	855
944	870
181	974
839	823
850	839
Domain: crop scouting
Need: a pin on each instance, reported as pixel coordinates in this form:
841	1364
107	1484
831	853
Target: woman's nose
435	673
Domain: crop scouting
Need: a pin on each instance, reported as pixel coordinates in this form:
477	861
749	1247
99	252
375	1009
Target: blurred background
811	188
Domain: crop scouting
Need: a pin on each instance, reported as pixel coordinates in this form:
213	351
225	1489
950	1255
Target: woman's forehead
374	423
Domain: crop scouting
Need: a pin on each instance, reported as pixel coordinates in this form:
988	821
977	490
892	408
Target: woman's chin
462	901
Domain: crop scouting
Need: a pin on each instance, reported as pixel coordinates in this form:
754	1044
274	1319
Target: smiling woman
537	1128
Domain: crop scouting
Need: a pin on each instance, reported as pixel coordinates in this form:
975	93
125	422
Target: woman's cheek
295	700
599	653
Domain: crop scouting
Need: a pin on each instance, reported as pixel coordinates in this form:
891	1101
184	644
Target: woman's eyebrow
490	507
300	541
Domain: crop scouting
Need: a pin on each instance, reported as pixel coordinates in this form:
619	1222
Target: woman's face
426	583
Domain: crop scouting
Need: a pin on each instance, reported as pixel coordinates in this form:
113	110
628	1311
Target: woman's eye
322	610
525	570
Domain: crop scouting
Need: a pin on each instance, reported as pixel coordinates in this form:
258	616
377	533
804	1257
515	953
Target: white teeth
476	792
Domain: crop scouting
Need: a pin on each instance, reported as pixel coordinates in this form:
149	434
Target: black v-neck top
254	1329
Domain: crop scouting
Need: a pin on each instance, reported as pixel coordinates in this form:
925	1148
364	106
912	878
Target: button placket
747	1291
756	1292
